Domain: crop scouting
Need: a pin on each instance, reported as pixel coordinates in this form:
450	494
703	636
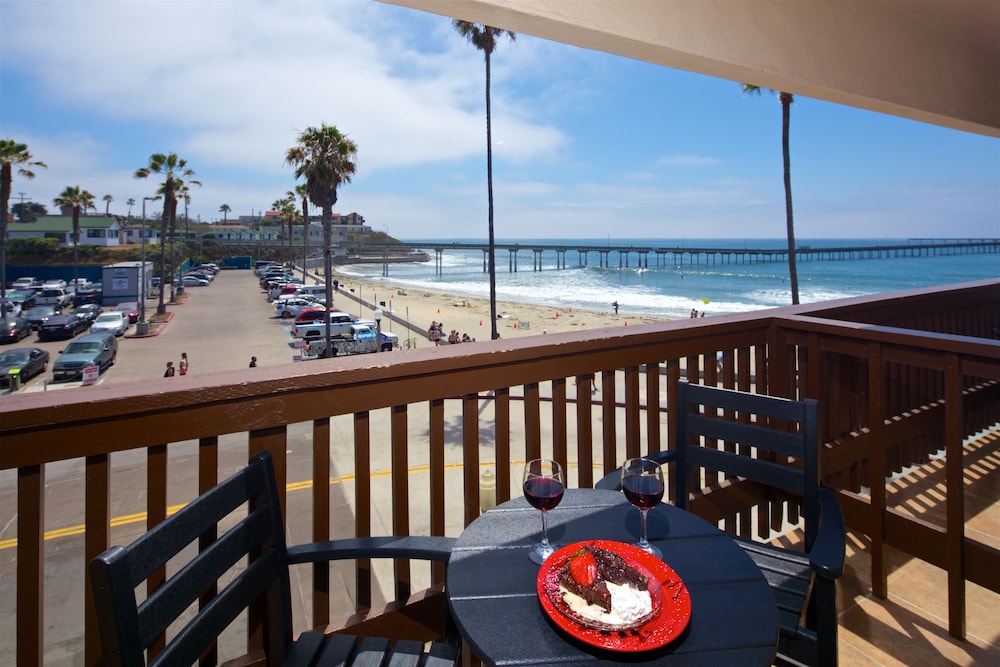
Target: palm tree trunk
6	177
494	334
793	273
76	245
328	272
305	238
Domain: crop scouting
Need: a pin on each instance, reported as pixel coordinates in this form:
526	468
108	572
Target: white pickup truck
363	339
340	325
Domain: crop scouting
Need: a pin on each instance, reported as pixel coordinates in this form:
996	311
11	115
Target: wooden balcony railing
397	444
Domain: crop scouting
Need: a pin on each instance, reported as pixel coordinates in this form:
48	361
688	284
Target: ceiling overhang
935	61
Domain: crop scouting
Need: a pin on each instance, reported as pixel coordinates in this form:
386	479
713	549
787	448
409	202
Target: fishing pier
632	256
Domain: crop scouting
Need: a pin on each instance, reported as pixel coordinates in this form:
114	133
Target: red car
130	307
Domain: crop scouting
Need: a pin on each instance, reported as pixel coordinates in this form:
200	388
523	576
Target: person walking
169	372
183	366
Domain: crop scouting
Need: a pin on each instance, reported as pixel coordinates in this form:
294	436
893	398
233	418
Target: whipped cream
627	605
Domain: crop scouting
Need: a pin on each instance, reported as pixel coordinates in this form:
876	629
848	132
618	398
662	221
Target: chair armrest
613	480
415	547
827	555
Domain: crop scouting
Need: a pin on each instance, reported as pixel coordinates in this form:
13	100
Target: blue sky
585	144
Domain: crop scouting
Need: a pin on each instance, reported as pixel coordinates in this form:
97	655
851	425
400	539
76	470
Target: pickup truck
340	325
363	339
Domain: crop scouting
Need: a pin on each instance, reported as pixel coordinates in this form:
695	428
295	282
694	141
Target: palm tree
11	153
172	168
224	209
786	100
326	159
77	200
300	191
484	38
107	204
131	203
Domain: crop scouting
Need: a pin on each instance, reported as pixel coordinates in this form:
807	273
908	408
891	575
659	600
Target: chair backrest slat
773	474
779	442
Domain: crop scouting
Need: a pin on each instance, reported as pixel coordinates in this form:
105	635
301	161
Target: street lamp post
142	270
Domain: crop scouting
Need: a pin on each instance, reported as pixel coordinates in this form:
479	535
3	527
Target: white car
114	321
293	306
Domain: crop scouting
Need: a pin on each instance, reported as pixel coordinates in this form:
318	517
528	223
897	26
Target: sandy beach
463	314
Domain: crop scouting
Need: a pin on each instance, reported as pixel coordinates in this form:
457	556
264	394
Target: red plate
675	611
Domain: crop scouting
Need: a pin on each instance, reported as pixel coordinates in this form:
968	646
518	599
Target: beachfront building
897	377
133	232
94	230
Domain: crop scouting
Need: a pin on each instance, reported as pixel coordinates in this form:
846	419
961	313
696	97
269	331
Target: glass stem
643	542
545	531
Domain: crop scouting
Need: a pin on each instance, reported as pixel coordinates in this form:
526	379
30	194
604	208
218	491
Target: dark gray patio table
491	585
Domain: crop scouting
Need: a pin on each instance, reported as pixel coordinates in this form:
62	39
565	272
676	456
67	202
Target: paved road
219	326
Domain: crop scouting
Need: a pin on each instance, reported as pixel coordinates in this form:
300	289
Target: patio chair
249	564
716	431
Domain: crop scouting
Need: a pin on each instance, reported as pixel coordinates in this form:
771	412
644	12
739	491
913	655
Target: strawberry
583	568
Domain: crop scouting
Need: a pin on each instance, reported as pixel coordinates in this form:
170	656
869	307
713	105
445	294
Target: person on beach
169	372
615	306
183	366
253	362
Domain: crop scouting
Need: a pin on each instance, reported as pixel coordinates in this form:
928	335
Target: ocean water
666	292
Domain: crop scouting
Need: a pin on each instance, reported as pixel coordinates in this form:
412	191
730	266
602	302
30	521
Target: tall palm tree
786	100
131	203
326	159
484	38
77	200
107	204
174	170
300	191
224	209
11	153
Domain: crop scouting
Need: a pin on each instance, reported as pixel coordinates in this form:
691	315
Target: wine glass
544	485
642	483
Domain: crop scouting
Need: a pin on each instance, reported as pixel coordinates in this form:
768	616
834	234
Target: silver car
112	322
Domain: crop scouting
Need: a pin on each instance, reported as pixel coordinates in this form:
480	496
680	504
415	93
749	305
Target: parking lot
219	327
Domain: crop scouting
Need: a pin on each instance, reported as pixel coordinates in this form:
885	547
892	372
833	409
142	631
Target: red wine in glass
642	483
544	485
643	492
544	493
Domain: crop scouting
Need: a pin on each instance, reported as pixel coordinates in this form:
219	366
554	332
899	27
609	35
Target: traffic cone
515	325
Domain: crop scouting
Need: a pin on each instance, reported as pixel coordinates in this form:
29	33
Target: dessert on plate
602	590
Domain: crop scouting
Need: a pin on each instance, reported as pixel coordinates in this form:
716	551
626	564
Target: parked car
130	308
24	362
55	296
294	306
13	329
37	315
54	283
27	282
314	314
99	349
110	322
88	311
194	281
62	326
92	294
25	297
